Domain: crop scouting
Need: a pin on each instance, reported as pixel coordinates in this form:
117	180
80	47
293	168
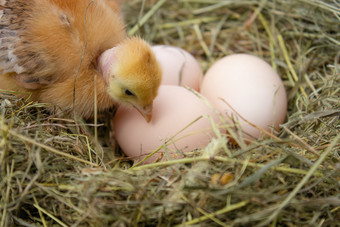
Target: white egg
173	125
178	66
247	89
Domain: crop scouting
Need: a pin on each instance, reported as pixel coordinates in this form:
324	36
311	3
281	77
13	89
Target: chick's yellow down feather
51	47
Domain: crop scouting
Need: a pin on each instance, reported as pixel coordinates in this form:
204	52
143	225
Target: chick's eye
128	92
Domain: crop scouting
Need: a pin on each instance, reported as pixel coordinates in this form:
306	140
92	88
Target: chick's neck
105	62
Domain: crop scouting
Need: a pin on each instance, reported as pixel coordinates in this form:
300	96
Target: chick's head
132	74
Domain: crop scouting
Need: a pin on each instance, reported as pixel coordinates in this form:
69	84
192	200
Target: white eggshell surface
179	67
173	110
251	87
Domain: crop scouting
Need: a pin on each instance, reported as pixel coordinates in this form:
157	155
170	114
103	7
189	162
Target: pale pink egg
253	90
174	125
179	67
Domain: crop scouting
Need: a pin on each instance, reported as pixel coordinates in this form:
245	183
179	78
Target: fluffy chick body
50	47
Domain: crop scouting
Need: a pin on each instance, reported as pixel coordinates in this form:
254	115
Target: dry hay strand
55	173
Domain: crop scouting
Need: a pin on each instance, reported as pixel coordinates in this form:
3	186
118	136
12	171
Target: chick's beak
148	117
145	111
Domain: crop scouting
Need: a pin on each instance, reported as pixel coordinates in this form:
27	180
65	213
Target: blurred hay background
54	173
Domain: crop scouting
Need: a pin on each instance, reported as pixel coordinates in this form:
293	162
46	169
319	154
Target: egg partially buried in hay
179	67
175	123
246	89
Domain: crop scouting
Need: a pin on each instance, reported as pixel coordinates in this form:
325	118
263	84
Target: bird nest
63	172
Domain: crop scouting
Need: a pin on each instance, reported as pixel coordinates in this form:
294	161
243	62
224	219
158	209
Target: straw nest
53	171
